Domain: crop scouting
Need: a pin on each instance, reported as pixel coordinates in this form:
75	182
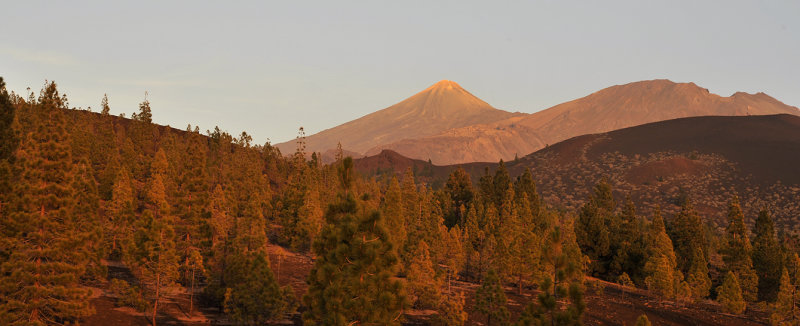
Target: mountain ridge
612	108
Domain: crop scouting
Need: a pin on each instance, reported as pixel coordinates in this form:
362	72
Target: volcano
442	106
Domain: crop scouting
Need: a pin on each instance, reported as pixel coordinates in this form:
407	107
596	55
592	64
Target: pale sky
269	67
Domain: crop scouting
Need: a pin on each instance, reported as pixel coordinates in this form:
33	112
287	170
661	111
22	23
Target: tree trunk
158	279
155	304
191	295
555	295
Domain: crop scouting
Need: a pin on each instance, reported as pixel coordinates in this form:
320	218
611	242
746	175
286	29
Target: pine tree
698	275
522	244
659	243
221	226
737	251
85	221
661	276
190	192
453	252
729	294
394	220
689	235
151	249
486	185
194	266
410	197
767	257
8	145
628	242
683	292
294	196
248	197
108	176
423	286
40	283
625	280
350	281
643	321
525	188
500	184
563	279
785	308
257	298
121	211
661	272
459	190
592	228
145	114
424	226
451	311
104	108
309	221
490	300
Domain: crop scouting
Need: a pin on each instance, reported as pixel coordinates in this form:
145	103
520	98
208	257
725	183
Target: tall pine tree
767	257
662	275
459	189
688	235
8	147
785	310
40	283
120	212
8	144
257	299
394	219
151	249
737	251
351	280
562	279
697	277
490	300
424	288
592	228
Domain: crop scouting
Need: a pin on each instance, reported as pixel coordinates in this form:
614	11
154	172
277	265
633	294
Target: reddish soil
653	171
614	305
768	147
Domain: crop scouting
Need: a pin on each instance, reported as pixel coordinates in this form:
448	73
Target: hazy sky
268	67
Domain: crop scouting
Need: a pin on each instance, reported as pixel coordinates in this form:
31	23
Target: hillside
608	109
613	305
442	106
141	199
707	158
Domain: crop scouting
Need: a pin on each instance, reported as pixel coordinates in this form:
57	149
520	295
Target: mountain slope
642	102
608	109
443	106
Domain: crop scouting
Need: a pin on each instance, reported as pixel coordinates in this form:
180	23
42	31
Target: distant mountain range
447	125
